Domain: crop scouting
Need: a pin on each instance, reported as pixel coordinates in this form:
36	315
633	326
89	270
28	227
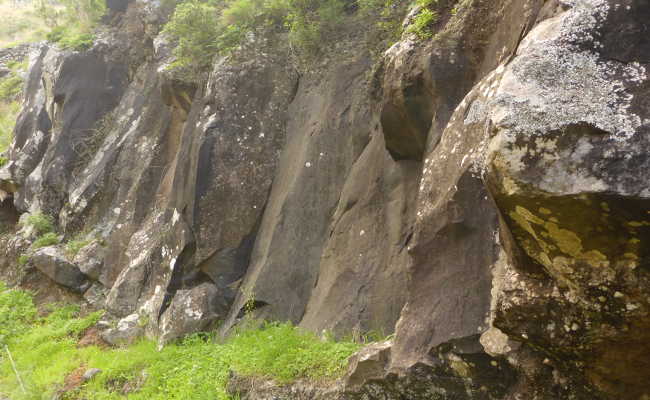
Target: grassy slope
8	114
10	88
20	24
45	351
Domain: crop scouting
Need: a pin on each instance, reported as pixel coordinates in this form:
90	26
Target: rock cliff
482	194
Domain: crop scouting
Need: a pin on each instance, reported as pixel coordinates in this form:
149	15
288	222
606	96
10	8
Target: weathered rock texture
482	194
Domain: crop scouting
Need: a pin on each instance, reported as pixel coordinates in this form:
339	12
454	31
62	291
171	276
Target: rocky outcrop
481	194
126	331
52	262
192	310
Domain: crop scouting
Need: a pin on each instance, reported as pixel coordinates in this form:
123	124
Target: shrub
8	114
387	16
193	26
71	38
199	38
75	245
74	23
10	87
23	259
48	239
40	222
421	25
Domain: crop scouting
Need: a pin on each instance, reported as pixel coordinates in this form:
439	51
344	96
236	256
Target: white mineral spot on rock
308	164
362	233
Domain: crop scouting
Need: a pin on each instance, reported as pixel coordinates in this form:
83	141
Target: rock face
52	262
126	331
192	311
483	194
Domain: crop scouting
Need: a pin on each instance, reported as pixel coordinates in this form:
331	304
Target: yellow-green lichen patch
638	224
523	223
529	216
568	242
595	235
595	258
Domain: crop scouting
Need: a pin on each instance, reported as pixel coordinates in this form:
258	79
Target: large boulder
566	162
192	310
52	262
126	331
90	259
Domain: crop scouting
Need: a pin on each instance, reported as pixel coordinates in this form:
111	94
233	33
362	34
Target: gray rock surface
483	194
90	374
192	310
90	259
126	331
52	262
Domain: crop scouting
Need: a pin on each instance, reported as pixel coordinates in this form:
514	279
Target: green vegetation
10	89
8	114
425	19
203	29
48	239
23	259
17	312
40	222
71	37
43	227
387	16
73	21
196	368
77	243
20	23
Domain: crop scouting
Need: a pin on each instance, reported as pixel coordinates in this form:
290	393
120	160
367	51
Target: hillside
446	199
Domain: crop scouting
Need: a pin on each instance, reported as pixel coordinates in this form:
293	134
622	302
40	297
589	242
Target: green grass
71	37
196	368
10	88
20	23
75	245
8	114
47	239
17	312
40	222
43	226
